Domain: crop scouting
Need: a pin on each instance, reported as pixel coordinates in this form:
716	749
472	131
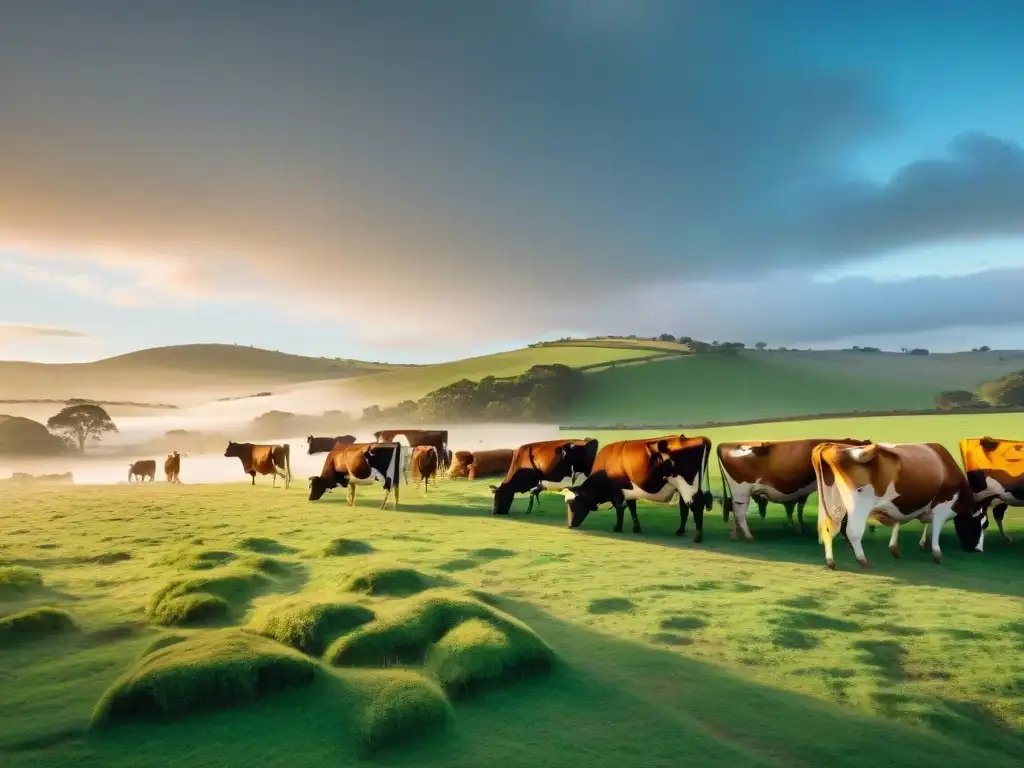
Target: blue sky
411	182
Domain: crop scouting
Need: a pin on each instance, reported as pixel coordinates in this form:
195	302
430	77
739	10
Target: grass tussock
16	581
34	624
198	559
393	581
109	558
264	546
189	610
428	629
208	671
403	706
228	590
265	564
308	626
345	547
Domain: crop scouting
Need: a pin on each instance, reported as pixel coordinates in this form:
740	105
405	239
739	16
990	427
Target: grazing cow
265	459
326	444
359	464
142	469
424	464
893	483
778	471
474	464
417	437
172	467
995	472
653	469
545	466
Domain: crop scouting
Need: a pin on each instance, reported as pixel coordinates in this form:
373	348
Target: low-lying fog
108	463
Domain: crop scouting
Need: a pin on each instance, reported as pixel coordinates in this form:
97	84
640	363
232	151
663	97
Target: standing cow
778	471
474	464
894	484
172	467
544	466
263	459
424	465
653	469
417	437
995	471
326	444
359	464
142	469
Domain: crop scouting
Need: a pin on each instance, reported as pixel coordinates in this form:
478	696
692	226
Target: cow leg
789	506
923	543
826	532
620	514
998	512
740	507
940	515
698	520
351	494
856	523
253	473
684	516
894	540
762	506
800	504
387	495
631	503
534	497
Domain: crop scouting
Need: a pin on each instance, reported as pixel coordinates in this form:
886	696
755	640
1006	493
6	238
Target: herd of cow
856	480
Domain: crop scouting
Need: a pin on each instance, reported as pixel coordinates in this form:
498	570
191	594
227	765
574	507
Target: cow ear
760	450
988	444
863	455
662	446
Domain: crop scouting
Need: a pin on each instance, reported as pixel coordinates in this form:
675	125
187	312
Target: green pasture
665	652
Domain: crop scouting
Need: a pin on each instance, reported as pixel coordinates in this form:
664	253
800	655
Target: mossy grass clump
264	546
381	579
233	587
345	548
426	629
109	558
208	671
16	581
306	625
34	624
187	610
402	705
198	559
270	566
477	655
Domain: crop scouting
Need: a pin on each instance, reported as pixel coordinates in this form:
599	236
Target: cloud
485	171
14	333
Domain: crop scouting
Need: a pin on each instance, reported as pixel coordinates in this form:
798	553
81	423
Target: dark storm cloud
475	149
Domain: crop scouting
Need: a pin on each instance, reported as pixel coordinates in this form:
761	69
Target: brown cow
172	467
893	483
142	469
326	444
265	459
779	471
359	464
417	437
995	471
424	464
653	469
474	464
549	465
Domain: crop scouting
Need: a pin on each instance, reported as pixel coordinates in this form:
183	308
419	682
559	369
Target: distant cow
263	459
995	472
326	444
424	464
894	484
652	469
142	469
360	464
417	437
474	464
544	466
172	467
778	471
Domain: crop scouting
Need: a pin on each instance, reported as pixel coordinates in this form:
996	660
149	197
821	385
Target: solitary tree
80	422
760	346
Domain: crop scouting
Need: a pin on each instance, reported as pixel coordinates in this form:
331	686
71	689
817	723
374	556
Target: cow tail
288	462
130	468
726	494
397	482
705	479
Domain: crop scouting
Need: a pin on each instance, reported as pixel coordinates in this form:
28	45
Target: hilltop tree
760	346
77	423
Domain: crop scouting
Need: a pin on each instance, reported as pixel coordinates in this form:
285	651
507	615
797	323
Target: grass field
668	653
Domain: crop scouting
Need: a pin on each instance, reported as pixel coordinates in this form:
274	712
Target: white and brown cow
894	484
778	471
652	469
549	465
360	464
995	472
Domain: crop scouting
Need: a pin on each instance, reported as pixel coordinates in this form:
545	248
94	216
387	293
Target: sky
416	181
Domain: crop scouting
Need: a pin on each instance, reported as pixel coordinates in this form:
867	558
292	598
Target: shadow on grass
673	711
995	571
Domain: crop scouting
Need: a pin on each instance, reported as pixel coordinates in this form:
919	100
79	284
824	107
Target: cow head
970	529
503	496
233	449
988	444
577	501
319	485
